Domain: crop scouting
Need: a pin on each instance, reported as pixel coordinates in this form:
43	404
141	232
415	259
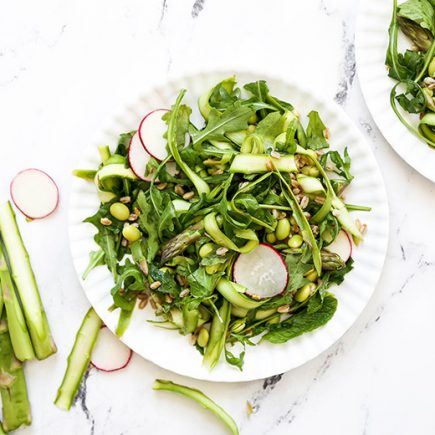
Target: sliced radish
262	271
110	354
34	193
341	246
151	131
138	158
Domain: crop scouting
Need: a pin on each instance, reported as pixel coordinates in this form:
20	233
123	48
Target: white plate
371	46
172	351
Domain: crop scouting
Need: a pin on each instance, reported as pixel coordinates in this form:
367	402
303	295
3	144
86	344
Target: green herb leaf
147	222
316	132
420	12
234	118
167	281
413	99
96	258
297	269
201	283
234	360
302	322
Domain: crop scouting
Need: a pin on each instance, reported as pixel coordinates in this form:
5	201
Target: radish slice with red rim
138	158
34	193
342	245
151	131
262	271
110	354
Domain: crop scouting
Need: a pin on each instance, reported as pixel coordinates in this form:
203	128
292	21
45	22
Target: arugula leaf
341	164
129	282
96	258
224	94
269	128
124	143
147	222
302	322
167	221
409	65
420	12
413	99
167	281
336	276
316	132
260	91
297	269
236	361
183	123
201	283
234	118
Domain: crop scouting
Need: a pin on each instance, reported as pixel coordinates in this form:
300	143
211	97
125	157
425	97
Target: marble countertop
65	67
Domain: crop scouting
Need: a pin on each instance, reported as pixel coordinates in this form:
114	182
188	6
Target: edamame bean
252	119
238	326
295	241
282	229
432	67
311	275
271	238
206	250
211	270
304	292
131	233
251	129
119	211
203	337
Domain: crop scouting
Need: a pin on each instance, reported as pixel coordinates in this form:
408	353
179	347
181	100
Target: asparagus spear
24	278
331	261
13	390
17	325
201	398
180	242
78	360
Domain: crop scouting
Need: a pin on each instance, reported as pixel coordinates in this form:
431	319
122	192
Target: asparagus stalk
19	335
78	360
179	243
331	261
24	278
13	390
201	398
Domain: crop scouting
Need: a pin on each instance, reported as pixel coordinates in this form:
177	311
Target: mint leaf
302	322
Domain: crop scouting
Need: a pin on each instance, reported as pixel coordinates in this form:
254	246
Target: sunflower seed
155	285
105	221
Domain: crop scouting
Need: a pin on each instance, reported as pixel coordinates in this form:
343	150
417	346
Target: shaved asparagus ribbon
201	398
78	360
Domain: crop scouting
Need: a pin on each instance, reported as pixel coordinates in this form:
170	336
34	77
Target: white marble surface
65	67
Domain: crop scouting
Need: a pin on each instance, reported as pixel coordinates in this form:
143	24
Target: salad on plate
232	231
413	69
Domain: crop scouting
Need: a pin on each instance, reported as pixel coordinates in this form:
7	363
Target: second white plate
371	46
172	351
